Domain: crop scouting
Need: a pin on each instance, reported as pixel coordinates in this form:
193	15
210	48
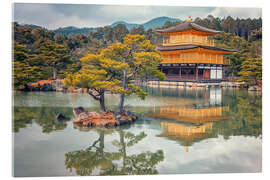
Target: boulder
46	87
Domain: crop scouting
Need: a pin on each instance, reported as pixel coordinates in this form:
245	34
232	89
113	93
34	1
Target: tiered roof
187	26
191	46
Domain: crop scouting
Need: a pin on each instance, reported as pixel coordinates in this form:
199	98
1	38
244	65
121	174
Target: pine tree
251	71
97	76
54	55
115	67
23	71
141	60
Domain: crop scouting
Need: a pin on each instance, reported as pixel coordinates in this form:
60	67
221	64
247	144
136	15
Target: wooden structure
190	55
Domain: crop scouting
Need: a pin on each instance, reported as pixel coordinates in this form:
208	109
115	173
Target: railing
182	42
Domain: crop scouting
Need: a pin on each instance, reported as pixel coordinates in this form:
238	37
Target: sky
53	16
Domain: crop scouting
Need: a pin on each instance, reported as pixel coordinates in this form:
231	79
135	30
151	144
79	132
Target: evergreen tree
251	71
54	55
139	59
23	72
97	75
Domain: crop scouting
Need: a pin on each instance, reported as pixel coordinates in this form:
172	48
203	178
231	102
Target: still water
178	131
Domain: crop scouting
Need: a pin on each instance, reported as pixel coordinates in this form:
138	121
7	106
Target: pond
179	130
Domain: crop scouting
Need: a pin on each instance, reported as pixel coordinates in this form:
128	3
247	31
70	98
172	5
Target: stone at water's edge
60	117
102	119
255	88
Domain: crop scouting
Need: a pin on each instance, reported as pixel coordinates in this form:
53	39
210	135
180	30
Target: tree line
39	53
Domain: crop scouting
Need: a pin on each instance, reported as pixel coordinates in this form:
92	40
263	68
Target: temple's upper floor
187	33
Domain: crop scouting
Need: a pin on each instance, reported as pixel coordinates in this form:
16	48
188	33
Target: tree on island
97	75
114	68
251	71
141	60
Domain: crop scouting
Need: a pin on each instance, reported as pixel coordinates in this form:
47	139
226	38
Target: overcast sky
53	16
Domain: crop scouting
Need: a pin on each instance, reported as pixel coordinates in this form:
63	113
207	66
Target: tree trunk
54	71
102	102
122	141
122	96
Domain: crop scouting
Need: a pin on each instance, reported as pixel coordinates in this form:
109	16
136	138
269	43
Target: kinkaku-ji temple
190	55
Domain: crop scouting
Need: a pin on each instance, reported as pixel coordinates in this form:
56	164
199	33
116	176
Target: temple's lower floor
193	72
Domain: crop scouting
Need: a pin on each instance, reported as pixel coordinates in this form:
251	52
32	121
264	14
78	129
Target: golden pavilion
190	55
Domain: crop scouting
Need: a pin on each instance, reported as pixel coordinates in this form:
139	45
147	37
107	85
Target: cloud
238	12
53	16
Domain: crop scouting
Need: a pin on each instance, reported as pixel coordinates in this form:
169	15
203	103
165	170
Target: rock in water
78	110
60	117
103	119
255	88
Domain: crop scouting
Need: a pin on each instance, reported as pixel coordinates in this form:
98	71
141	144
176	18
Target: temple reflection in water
192	123
186	134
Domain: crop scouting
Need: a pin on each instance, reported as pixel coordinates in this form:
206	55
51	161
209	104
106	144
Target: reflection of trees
143	163
86	160
21	117
43	116
246	110
46	118
178	92
114	163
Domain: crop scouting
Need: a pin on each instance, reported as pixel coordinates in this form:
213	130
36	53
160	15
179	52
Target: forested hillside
41	54
151	24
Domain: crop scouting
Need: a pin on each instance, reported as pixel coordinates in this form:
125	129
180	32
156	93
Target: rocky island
102	119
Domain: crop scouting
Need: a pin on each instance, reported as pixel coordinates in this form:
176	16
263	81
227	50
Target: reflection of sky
44	155
208	156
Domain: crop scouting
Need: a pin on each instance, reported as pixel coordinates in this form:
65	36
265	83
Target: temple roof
191	46
186	26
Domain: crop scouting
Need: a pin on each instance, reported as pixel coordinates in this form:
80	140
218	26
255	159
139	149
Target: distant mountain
159	22
31	26
74	30
153	23
128	25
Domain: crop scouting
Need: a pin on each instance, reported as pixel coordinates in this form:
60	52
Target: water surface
178	131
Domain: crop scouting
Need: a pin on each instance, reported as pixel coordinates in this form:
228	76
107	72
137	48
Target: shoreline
176	84
58	86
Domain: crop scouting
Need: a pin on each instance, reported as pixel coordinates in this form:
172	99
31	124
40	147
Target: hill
74	30
153	23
